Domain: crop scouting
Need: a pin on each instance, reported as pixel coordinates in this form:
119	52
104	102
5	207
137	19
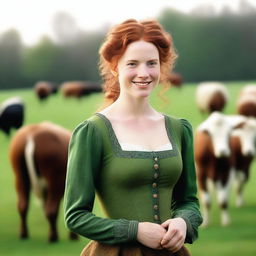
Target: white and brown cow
214	161
246	102
38	154
243	141
211	96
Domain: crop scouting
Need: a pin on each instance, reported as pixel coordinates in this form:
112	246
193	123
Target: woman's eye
131	64
152	63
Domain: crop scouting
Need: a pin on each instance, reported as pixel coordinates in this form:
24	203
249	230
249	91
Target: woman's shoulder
89	124
182	121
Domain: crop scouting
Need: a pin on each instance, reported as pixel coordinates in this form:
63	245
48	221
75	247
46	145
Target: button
155	195
156	175
156	166
155	207
156	159
154	185
156	217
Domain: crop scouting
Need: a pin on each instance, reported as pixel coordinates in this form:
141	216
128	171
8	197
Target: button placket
155	194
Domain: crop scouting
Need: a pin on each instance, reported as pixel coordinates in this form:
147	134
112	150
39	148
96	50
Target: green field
237	239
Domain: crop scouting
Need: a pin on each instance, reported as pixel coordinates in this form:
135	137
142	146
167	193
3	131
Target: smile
141	83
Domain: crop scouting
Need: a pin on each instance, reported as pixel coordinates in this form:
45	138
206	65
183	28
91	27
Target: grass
237	239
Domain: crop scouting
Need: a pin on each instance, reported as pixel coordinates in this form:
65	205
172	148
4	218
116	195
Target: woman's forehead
140	49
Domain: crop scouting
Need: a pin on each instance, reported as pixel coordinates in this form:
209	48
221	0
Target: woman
139	161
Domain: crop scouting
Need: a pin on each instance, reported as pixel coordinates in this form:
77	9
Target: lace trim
133	147
139	154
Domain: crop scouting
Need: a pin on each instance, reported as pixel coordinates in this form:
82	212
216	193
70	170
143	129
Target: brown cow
175	79
38	154
43	89
78	89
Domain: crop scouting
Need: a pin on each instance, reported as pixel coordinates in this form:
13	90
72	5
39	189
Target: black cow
11	114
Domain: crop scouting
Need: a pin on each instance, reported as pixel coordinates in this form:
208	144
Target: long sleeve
185	203
84	164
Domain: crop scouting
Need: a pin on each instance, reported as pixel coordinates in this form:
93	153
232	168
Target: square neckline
140	154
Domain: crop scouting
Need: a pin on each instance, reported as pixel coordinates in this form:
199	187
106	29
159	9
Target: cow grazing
211	96
78	89
214	161
243	140
92	87
11	114
175	79
246	103
43	89
38	154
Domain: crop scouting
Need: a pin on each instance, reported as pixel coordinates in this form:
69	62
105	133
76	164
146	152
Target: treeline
210	47
217	47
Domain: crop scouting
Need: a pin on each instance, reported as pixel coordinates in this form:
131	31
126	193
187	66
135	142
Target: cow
79	89
43	89
38	155
243	140
211	96
175	79
11	114
213	159
246	102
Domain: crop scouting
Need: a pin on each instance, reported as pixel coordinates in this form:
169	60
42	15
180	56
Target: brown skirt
99	249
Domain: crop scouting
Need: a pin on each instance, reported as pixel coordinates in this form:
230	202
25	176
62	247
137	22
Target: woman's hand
151	234
175	236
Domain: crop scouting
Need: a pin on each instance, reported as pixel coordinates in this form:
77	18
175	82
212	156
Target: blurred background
59	41
56	42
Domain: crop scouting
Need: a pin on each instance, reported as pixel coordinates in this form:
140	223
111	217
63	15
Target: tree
40	61
11	60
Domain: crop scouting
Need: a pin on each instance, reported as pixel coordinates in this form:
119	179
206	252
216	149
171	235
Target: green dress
133	186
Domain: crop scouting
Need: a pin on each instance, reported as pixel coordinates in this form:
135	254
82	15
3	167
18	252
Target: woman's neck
130	108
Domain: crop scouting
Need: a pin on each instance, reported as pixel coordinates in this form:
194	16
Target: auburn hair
116	42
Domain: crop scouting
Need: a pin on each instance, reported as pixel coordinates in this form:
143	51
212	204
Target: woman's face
139	69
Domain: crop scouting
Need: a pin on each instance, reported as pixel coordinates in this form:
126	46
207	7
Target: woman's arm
185	203
84	163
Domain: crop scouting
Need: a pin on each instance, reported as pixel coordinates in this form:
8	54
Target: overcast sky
33	18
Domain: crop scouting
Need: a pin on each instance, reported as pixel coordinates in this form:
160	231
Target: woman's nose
142	71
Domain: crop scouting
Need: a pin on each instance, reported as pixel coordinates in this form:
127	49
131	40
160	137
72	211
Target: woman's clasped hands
170	234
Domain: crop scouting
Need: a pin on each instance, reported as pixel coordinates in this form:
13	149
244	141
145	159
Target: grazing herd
224	148
225	145
75	89
38	154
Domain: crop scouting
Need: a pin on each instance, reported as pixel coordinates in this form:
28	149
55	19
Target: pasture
237	239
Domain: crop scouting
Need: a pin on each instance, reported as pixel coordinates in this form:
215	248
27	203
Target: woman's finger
170	234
